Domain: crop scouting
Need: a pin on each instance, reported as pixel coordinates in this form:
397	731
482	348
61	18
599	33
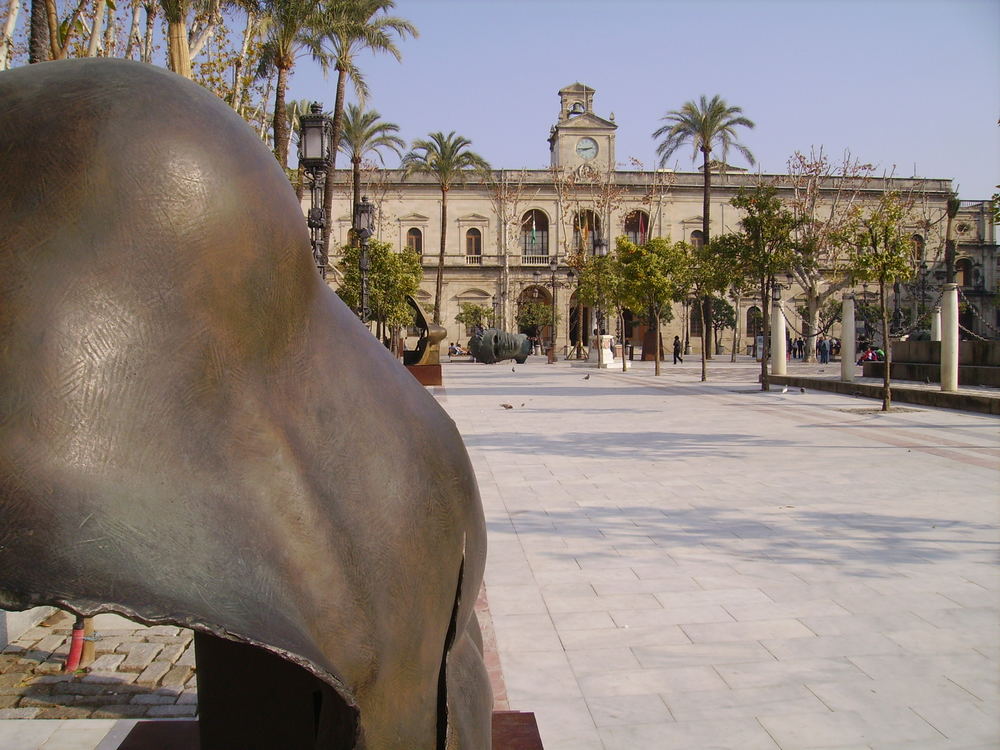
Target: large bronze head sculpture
195	430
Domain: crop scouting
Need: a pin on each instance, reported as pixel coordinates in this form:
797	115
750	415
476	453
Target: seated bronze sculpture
194	430
493	345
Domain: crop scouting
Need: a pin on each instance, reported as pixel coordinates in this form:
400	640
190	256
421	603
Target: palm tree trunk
706	208
439	283
39	48
180	57
886	392
338	125
279	122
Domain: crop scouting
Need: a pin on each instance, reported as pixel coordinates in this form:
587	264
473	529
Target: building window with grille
697	238
963	272
535	233
473	242
586	229
917	249
637	227
415	241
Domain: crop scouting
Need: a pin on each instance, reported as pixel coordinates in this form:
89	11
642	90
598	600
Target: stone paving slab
676	564
683	565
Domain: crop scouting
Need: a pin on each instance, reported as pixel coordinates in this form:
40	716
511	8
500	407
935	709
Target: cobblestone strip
143	672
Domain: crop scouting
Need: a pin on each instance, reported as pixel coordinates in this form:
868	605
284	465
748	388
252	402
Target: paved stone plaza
688	566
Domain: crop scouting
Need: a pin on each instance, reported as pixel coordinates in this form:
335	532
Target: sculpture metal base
426	374
512	730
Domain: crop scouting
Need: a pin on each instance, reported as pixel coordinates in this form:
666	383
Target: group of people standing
825	348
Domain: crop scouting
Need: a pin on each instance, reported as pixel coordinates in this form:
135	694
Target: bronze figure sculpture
194	429
493	345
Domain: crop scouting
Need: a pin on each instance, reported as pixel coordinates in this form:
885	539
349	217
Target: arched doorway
534	313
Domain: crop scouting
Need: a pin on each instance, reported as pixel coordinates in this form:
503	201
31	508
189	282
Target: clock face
586	148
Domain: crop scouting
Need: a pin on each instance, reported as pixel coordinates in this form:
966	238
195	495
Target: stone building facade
503	231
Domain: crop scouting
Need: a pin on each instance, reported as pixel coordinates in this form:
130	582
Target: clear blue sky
907	84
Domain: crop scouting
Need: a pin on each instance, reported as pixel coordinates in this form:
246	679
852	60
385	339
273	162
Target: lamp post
363	229
496	311
314	158
553	267
601	251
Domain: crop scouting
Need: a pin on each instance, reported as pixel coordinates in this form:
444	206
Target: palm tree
292	27
364	133
704	124
447	158
351	26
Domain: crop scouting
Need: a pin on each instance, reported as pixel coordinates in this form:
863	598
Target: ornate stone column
848	332
949	338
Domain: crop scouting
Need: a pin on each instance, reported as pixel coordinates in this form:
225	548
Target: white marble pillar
778	352
936	323
848	349
949	338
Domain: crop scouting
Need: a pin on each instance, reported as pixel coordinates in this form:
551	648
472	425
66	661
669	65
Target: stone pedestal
848	351
426	374
949	338
601	355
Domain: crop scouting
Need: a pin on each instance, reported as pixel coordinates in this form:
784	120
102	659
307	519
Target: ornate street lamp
601	251
315	140
553	267
364	223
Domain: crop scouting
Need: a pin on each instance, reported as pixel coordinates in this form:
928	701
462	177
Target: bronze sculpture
194	430
493	345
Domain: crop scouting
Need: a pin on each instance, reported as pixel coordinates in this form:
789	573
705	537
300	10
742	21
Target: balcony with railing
535	260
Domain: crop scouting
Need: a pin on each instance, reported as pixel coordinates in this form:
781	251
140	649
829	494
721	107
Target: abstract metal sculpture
493	345
194	430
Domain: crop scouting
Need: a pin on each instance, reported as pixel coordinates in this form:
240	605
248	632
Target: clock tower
580	137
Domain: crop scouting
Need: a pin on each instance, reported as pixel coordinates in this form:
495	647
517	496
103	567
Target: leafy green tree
350	26
762	250
366	133
472	315
653	277
723	316
448	159
602	283
880	251
391	277
532	316
705	124
708	270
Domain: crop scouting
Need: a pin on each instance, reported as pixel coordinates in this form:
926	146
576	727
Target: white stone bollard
936	324
848	350
778	353
949	338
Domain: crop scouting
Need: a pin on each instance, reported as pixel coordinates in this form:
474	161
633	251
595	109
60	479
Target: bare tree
823	198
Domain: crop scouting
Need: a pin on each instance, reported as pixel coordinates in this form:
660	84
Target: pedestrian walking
677	350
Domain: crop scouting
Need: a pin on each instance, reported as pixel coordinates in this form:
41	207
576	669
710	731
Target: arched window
697	238
963	272
755	321
917	249
473	242
415	240
534	233
637	227
586	229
